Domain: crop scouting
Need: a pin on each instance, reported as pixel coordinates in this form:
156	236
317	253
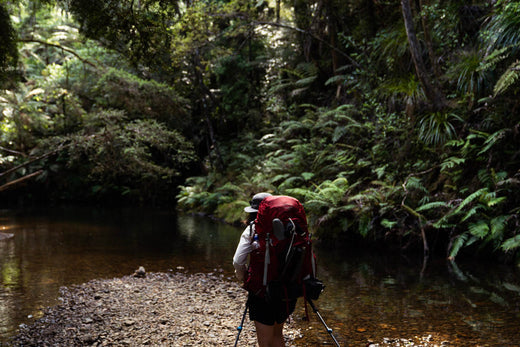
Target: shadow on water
368	296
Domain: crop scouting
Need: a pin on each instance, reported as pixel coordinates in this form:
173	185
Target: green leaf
479	229
457	245
511	243
388	224
431	205
307	175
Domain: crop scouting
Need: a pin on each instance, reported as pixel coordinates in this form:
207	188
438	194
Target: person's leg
278	340
264	334
270	335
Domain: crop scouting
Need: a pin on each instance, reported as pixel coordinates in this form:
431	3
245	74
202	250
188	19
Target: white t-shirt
242	252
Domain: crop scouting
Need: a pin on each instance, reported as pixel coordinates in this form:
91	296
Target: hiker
268	317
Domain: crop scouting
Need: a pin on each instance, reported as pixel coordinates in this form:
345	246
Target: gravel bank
170	309
159	309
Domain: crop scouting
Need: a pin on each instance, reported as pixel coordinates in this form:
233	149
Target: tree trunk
333	40
432	93
205	95
278	11
429	44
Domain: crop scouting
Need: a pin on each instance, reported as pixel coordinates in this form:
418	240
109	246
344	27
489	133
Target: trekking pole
329	330
239	328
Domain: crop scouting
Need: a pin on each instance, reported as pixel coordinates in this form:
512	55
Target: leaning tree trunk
432	92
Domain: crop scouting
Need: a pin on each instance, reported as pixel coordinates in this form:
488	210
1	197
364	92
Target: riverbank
167	309
170	309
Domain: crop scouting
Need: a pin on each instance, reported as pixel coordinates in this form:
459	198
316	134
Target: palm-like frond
439	127
504	28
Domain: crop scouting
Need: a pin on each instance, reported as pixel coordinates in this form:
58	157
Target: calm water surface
368	296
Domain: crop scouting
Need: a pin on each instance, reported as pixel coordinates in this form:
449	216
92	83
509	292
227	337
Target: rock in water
140	273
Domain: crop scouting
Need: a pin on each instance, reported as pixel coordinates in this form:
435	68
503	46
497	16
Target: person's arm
242	252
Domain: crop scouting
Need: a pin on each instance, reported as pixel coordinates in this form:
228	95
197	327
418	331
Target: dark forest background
396	123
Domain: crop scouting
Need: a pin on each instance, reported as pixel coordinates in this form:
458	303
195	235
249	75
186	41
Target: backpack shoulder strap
251	228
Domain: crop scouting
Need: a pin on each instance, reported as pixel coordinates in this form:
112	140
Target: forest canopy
394	122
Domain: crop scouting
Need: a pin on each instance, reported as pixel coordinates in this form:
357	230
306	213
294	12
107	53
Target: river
368	297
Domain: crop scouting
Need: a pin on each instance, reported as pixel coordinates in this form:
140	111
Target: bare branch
19	180
31	161
66	49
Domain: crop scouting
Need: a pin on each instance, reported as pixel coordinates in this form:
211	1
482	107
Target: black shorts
268	313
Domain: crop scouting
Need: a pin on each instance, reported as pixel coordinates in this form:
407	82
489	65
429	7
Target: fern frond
290	182
491	60
335	79
229	187
451	162
431	205
493	139
470	198
304	82
507	79
339	132
511	243
316	205
385	223
495	201
457	245
498	225
479	229
471	212
304	193
415	183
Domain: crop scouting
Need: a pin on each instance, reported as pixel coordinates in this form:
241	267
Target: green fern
493	139
511	244
470	198
457	244
479	229
432	205
473	211
507	79
415	183
451	162
492	59
335	79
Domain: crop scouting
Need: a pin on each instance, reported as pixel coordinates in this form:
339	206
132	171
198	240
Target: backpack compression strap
267	259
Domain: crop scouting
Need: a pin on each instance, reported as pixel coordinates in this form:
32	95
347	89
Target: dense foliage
395	123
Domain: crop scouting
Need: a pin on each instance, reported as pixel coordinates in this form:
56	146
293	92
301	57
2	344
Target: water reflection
372	297
368	296
60	247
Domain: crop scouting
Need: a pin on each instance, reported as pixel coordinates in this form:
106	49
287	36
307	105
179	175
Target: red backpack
282	260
